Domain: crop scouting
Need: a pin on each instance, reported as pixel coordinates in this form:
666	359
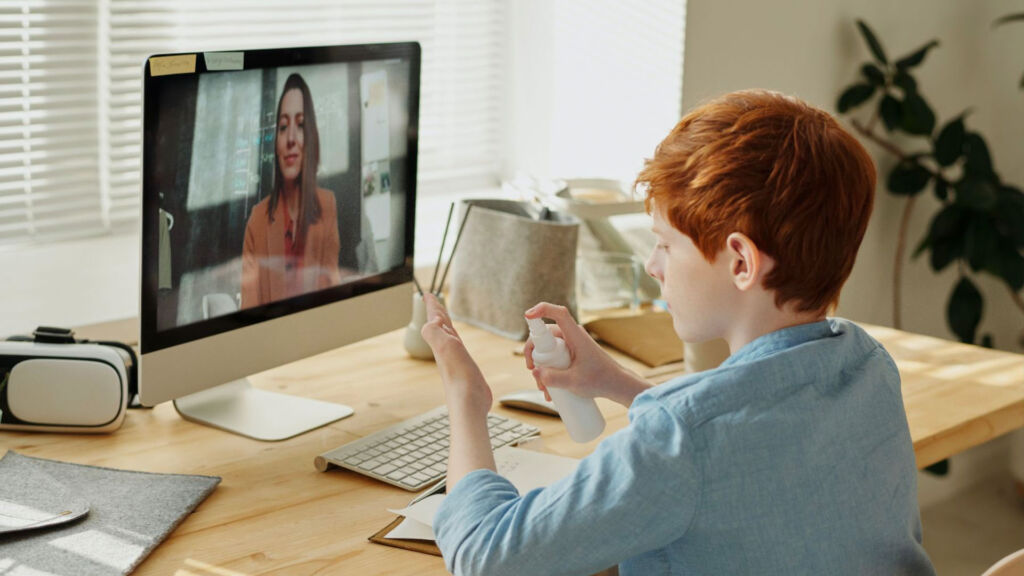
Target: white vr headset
50	382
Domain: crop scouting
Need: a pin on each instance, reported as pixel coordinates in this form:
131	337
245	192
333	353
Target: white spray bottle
582	418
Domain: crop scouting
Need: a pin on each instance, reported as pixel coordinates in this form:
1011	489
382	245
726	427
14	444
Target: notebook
525	469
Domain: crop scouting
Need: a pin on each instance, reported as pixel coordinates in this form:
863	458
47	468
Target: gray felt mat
128	515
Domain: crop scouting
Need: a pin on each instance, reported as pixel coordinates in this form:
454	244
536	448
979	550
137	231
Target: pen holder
414	343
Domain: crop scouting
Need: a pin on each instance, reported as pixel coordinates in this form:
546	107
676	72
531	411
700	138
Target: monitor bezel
152	339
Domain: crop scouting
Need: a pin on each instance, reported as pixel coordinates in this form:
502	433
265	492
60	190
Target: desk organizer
512	256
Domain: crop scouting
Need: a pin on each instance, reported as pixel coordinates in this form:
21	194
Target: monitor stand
259	414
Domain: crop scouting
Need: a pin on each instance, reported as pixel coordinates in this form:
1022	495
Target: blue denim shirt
793	457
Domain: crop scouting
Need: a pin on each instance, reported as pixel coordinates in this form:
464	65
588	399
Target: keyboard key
371	464
384	470
506	437
398	474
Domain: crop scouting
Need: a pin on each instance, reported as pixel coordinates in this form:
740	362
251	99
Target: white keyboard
414	453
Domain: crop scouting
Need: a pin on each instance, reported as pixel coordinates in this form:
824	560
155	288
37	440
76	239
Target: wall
593	85
812	50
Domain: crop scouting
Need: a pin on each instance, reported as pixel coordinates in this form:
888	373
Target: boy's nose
652	268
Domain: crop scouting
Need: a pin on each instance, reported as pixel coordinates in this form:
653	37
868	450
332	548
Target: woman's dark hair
309	205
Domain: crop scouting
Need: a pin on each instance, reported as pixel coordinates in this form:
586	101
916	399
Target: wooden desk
275	514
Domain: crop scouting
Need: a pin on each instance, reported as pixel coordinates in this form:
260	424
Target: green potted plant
979	227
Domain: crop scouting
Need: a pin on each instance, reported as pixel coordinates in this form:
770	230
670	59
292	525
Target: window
70	92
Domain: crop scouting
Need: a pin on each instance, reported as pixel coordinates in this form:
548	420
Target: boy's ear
747	264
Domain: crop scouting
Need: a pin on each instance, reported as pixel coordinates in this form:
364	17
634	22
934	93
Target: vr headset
51	382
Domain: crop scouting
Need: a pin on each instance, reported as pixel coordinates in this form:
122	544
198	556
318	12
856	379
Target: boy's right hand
592	372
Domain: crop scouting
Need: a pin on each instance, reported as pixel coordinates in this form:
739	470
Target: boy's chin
692	334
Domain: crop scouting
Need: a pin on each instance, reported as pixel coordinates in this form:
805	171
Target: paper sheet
525	469
411	530
422	511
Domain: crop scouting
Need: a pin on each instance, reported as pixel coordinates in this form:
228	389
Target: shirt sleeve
637	492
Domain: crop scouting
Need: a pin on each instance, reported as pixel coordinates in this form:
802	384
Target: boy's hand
464	384
592	373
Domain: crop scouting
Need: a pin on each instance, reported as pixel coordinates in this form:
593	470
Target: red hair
781	172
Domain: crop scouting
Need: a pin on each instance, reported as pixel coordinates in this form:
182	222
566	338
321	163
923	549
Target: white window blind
49	182
70	91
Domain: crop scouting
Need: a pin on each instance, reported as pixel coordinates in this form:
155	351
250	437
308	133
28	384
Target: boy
792	457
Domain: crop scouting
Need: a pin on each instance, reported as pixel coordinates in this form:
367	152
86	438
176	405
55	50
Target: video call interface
277	182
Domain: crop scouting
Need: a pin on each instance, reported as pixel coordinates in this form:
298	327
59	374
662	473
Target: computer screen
275	182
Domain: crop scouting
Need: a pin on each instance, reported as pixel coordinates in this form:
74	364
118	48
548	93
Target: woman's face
290	135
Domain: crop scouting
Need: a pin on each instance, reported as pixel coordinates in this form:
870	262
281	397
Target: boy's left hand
465	387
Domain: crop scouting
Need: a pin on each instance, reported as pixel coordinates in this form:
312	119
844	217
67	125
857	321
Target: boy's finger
431	331
550	377
570	330
528	354
435	309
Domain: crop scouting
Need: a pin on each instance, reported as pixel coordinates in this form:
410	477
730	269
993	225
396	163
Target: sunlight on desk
205	569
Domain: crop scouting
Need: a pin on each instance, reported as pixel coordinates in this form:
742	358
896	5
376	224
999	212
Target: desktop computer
278	204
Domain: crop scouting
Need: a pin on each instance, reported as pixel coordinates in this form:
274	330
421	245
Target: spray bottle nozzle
543	340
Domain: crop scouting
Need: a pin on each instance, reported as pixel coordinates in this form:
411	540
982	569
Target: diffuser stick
469	208
440	251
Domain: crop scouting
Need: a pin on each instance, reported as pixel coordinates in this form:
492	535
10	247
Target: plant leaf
925	243
1009	211
891	111
978	160
950	143
1008	264
981	242
964	310
941	189
1008	18
908	178
872	42
873	74
854	96
917	56
944	252
978	194
918	117
948	223
905	81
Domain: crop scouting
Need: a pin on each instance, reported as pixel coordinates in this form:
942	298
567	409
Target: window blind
71	105
49	182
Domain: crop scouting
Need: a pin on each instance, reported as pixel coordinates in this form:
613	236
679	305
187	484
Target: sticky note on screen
224	60
166	65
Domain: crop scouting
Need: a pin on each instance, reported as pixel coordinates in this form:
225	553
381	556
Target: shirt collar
789	337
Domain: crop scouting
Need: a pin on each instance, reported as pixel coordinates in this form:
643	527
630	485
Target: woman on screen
291	239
